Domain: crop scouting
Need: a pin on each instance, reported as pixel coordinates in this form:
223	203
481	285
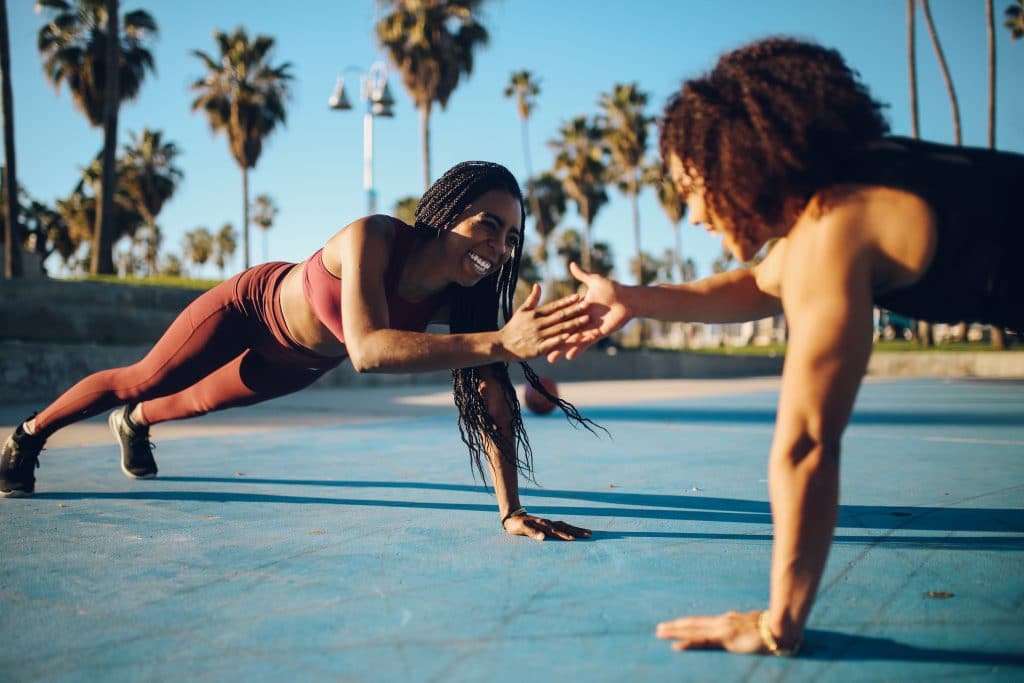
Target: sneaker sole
117	435
15	494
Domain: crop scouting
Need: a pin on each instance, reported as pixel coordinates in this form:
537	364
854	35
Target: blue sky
578	49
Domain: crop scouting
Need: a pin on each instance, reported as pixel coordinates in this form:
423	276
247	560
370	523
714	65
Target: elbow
810	452
364	362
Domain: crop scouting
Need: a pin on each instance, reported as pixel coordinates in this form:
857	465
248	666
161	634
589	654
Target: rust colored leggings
228	348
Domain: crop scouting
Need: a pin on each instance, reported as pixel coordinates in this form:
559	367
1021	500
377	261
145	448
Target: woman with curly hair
781	143
367	296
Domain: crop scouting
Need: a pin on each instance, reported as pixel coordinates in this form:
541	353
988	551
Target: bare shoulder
830	246
830	231
373	234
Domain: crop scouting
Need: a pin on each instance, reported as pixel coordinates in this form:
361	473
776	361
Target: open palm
605	313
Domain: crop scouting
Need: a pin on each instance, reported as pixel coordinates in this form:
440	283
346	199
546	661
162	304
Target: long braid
475	309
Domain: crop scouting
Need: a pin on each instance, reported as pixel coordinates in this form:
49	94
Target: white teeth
480	264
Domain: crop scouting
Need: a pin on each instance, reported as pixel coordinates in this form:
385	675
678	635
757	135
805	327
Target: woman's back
973	275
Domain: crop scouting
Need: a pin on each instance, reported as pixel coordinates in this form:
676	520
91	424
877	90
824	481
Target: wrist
515	512
631	297
780	636
495	347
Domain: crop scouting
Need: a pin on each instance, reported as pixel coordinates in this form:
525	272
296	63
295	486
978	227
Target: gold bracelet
518	512
768	639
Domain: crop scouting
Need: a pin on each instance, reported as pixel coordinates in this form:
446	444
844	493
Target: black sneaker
18	464
136	449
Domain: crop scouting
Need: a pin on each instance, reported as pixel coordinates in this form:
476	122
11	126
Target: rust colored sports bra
323	290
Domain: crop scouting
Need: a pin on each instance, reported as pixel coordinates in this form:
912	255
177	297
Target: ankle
135	418
29	427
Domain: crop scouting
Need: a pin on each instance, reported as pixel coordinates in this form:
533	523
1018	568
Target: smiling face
484	236
700	212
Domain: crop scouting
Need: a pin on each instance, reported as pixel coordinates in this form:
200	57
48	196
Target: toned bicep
364	249
826	294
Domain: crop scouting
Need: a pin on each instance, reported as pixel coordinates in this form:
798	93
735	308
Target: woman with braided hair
781	143
366	296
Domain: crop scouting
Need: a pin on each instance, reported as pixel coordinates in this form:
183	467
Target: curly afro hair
767	128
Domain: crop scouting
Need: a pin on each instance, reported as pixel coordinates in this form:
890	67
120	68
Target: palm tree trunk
998	341
12	231
945	70
912	69
922	330
585	256
531	196
677	252
425	142
102	242
245	217
634	205
991	30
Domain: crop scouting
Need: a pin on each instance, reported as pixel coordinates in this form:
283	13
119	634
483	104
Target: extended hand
732	631
605	313
534	331
539	528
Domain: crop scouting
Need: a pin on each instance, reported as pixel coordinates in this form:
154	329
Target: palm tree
525	88
405	209
49	229
940	55
990	31
912	67
78	212
12	228
1015	20
198	246
548	207
243	95
624	126
580	165
171	265
146	246
924	330
724	262
431	43
998	341
957	137
264	211
80	209
646	268
224	246
570	249
149	178
674	206
100	74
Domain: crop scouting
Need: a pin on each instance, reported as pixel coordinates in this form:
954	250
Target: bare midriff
303	325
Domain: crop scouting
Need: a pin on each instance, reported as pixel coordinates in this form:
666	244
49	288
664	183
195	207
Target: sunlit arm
373	346
500	456
828	310
732	296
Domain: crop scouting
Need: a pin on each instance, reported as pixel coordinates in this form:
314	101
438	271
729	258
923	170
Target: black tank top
976	274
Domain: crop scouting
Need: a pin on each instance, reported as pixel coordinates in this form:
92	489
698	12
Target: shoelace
19	456
141	440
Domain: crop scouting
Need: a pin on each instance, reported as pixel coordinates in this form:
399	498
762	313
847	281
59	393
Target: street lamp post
374	91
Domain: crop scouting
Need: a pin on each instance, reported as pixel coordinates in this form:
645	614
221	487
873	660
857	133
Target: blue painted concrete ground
365	551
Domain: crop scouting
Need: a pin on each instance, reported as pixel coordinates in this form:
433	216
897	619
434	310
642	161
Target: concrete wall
53	333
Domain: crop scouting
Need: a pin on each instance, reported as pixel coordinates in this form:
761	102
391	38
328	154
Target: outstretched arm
732	296
505	476
827	298
373	346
